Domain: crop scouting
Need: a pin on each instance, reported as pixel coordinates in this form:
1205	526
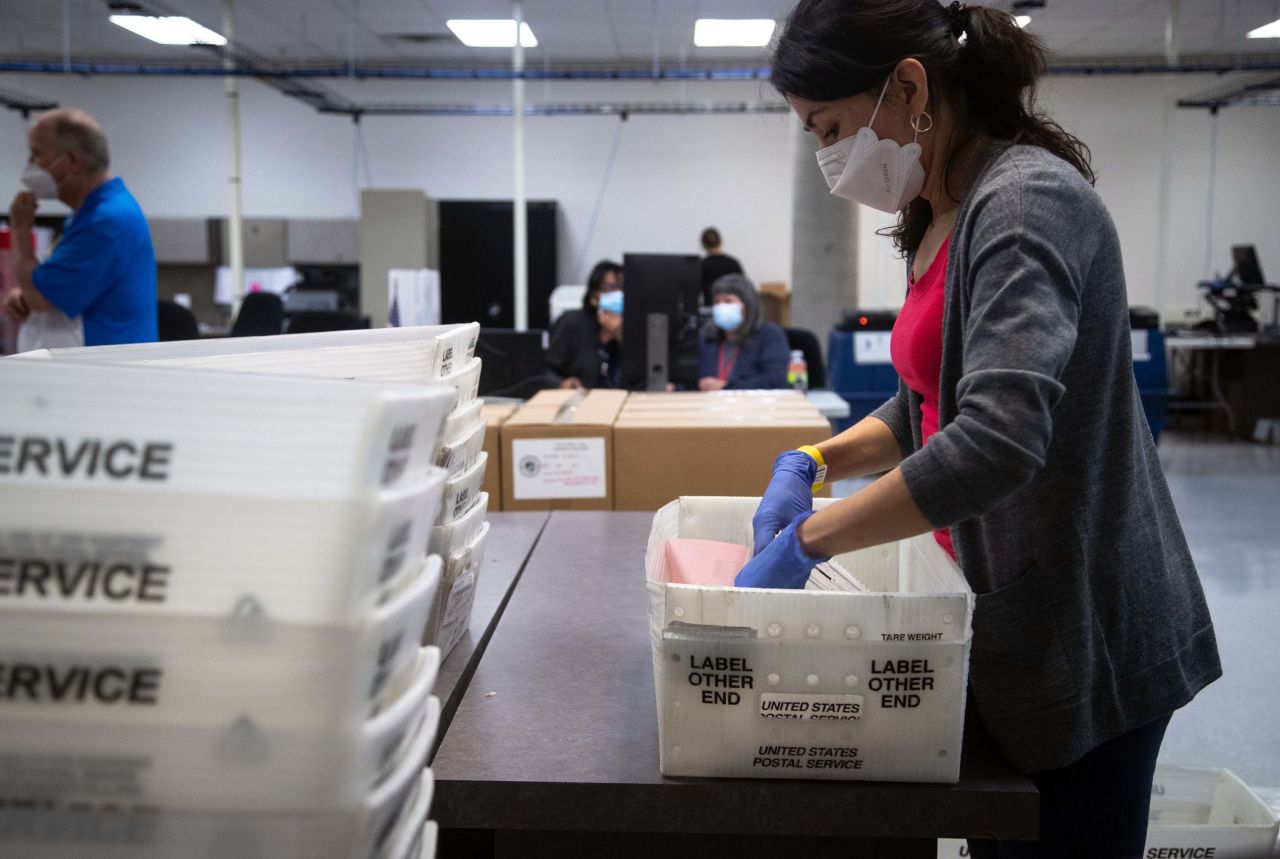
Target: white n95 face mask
40	182
878	173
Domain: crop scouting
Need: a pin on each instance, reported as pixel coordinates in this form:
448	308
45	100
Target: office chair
175	322
260	313
309	321
804	340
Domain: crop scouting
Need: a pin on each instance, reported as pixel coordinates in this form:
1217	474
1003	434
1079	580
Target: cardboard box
494	416
558	449
765	683
660	456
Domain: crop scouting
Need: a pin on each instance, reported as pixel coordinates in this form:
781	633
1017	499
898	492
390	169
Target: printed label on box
829	708
872	347
559	468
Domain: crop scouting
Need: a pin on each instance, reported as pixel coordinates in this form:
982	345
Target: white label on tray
830	708
559	468
872	347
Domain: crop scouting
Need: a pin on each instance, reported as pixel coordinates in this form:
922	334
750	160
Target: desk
554	749
1213	346
512	537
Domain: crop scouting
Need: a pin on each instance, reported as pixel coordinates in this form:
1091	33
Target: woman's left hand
783	563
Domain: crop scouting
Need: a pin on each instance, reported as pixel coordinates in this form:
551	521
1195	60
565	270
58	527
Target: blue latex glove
789	494
782	564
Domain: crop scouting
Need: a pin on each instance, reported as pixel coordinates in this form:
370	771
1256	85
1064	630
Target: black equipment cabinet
477	262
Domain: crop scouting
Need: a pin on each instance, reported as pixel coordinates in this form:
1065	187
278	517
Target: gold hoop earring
915	123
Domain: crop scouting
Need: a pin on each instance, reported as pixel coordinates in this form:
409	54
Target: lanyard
723	370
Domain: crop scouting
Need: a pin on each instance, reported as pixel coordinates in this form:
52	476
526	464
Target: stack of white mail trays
212	588
434	354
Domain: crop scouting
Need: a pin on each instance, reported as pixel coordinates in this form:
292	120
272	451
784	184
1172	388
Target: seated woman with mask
586	345
738	350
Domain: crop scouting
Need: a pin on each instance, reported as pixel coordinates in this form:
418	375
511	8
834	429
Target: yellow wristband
820	476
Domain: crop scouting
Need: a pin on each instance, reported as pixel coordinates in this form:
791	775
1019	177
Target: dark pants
1096	808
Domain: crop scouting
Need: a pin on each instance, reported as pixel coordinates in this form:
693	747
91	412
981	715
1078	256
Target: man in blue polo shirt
104	268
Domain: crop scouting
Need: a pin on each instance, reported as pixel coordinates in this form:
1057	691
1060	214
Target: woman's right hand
711	383
788	496
572	383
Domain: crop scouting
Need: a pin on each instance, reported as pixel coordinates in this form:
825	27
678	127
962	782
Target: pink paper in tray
704	562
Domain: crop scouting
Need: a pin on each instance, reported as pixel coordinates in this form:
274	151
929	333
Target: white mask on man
878	173
40	182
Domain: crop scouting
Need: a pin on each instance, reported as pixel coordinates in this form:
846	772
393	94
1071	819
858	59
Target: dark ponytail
979	61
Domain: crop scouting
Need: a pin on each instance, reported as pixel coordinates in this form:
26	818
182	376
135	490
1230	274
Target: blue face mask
727	317
611	302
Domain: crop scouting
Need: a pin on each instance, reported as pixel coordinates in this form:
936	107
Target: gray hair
75	130
737	285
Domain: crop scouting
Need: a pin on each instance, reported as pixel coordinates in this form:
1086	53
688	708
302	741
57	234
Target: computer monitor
661	304
1247	269
513	363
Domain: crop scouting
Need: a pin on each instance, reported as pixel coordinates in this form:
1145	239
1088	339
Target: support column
824	245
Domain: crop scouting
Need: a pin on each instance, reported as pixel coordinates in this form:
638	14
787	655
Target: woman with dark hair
1017	435
586	345
716	264
738	350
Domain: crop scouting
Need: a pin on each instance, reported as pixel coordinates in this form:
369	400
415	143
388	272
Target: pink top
916	349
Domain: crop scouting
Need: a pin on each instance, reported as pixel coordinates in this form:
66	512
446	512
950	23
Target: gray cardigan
1090	619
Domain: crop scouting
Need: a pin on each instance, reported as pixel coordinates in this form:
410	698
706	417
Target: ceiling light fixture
491	32
1266	31
1022	20
732	32
168	30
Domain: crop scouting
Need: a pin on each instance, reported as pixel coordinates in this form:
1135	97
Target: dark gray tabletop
558	727
512	537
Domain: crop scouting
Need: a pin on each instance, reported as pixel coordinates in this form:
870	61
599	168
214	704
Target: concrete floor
1228	498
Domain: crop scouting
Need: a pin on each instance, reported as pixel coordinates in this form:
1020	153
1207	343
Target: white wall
674	174
1138	136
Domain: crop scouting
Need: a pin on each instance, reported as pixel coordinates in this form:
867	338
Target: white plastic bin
297	560
460	421
406	841
52	830
461	453
461	531
809	684
413	354
461	492
163	430
465	381
239	765
1207	813
450	616
91	670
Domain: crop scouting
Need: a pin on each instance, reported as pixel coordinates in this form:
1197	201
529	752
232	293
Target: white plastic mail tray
297	560
460	421
450	615
164	430
96	670
239	765
465	381
460	532
461	492
1207	812
460	454
767	683
427	847
377	354
406	841
53	830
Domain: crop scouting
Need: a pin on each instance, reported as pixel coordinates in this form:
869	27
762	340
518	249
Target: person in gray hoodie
1017	435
